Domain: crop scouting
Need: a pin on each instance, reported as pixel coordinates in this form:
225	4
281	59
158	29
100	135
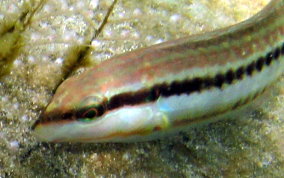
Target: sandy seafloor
249	145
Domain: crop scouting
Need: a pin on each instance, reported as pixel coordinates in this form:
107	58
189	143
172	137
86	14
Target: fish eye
90	113
90	108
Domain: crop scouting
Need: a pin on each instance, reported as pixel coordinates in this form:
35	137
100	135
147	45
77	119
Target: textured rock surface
249	145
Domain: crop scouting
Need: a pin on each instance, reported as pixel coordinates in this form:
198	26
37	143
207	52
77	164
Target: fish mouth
38	121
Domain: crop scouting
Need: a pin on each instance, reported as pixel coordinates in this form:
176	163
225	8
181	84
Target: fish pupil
90	113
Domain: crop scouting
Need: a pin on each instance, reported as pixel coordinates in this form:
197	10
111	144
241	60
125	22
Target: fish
166	88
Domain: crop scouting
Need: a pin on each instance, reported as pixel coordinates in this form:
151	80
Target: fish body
151	92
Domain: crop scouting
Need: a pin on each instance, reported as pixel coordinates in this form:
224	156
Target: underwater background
40	41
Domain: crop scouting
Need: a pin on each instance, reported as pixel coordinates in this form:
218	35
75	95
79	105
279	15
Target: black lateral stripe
182	87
